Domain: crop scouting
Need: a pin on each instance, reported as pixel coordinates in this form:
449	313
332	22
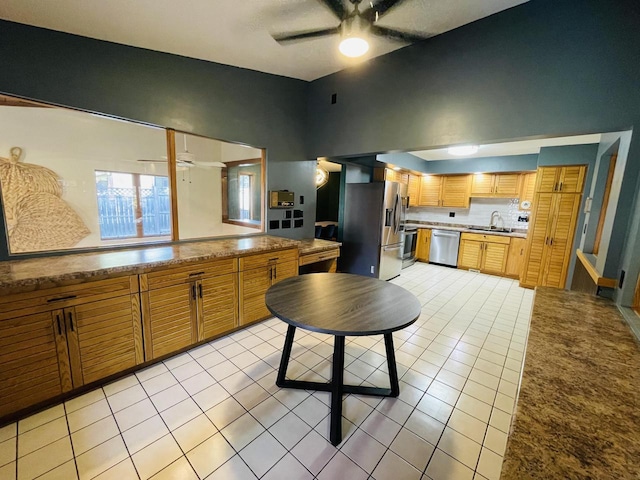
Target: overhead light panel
353	47
463	150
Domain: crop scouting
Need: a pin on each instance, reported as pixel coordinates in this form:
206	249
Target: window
244	193
132	205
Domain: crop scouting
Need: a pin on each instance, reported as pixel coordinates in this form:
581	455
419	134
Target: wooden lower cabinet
487	253
188	303
515	258
55	340
29	368
550	239
257	274
423	246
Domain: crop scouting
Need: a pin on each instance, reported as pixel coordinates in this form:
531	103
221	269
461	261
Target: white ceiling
237	32
509	148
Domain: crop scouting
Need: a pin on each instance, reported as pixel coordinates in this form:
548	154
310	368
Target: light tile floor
216	413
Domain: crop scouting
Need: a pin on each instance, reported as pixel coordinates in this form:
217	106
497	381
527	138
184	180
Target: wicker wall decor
37	218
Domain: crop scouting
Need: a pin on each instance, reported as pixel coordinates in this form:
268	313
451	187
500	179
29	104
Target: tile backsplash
478	213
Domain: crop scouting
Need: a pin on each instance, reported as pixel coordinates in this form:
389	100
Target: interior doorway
328	181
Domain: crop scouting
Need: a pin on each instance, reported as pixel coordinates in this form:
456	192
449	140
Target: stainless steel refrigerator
372	238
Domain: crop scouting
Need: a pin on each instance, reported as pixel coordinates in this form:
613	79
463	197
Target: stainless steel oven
410	244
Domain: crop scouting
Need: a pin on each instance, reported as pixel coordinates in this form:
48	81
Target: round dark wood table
341	304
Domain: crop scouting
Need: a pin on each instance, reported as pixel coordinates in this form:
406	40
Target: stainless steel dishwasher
444	247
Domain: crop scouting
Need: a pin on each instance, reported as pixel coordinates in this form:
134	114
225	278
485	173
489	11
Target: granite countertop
578	410
315	245
516	233
47	270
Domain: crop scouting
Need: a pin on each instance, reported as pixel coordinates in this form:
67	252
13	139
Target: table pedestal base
337	386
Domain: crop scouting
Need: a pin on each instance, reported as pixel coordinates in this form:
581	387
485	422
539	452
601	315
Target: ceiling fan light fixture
462	150
353	47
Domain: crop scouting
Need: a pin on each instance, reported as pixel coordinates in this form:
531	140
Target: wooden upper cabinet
505	185
456	190
430	186
561	179
413	190
482	184
527	188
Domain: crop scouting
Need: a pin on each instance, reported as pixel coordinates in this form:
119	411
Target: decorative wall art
36	215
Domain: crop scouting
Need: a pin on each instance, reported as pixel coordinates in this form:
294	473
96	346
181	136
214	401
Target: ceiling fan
353	26
186	159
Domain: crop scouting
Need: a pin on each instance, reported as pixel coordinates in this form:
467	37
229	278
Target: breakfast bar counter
577	414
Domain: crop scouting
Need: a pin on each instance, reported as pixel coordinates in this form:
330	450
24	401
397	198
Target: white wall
200	189
478	213
74	145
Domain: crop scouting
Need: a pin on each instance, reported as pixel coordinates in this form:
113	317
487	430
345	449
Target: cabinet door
515	258
423	244
430	186
413	190
506	185
470	254
494	257
482	185
30	371
565	215
253	286
571	179
547	179
528	188
104	338
456	190
217	305
171	319
537	239
284	270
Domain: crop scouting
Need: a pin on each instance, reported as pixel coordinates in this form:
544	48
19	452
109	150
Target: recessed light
463	150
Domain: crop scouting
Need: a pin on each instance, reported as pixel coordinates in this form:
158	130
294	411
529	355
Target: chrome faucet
493	215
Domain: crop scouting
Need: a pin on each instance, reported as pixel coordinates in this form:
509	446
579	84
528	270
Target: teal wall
209	99
544	68
507	163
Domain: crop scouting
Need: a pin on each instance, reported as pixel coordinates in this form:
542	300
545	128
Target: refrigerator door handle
391	249
397	207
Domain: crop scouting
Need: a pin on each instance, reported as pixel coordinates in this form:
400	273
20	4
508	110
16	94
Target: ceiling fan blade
149	160
210	164
372	14
289	37
397	34
336	7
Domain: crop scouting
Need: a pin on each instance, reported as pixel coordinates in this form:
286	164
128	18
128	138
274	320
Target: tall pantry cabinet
553	225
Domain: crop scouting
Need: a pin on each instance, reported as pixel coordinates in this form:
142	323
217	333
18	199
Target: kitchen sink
491	229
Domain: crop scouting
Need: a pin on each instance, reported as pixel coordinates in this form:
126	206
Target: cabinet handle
193	291
555	187
275	273
200	290
196	274
59	326
560	186
546	240
274	259
61	298
521	251
270	273
70	315
551	242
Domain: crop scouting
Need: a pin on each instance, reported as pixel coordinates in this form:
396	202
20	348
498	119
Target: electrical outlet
372	269
452	214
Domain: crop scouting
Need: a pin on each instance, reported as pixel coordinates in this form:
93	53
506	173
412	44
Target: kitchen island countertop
578	412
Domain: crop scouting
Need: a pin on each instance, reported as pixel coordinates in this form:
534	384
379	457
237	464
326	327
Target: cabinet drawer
269	258
187	272
481	237
67	296
319	257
